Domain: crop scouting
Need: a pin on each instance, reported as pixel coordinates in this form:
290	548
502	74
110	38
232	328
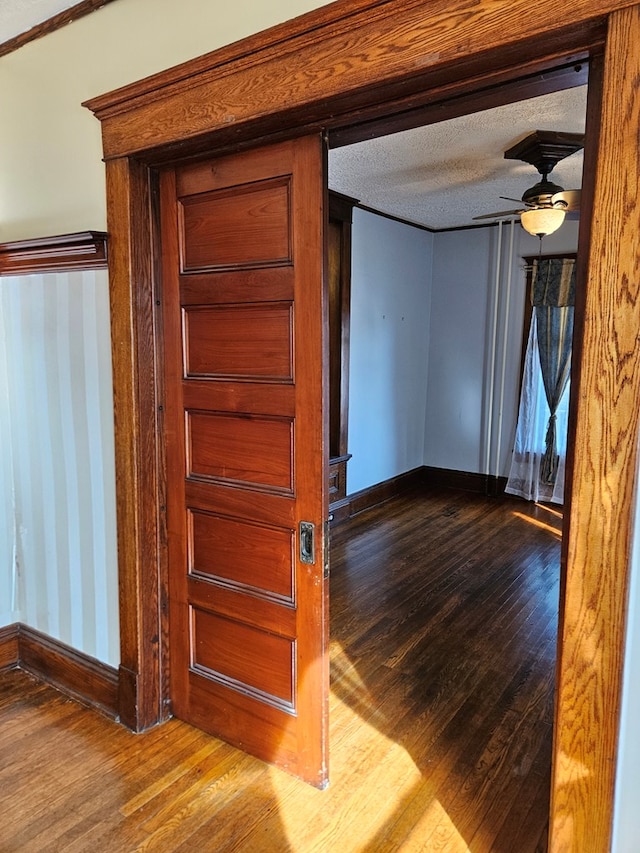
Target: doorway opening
442	295
418	412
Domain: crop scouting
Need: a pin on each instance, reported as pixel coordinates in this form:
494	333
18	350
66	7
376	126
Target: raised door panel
239	341
244	225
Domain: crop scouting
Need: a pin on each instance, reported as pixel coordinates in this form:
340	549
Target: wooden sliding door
245	441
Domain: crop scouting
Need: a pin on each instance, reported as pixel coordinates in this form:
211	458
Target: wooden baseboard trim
340	511
9	652
421	477
74	673
374	495
482	484
383	492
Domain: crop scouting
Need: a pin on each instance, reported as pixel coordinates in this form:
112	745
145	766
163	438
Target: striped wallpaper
58	570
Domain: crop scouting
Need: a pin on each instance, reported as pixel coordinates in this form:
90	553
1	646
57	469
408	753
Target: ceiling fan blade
499	214
569	197
508	198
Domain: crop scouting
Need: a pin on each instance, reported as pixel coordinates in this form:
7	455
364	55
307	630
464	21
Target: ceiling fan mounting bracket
545	148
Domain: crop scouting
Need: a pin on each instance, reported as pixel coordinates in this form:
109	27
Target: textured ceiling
444	174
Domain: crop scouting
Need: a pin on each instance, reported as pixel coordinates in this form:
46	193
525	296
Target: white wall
59	543
390	296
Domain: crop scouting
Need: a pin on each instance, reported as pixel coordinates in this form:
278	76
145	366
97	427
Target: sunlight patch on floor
358	818
541	524
435	831
391	775
346	681
555	512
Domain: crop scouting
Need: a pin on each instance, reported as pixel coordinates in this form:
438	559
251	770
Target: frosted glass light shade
541	221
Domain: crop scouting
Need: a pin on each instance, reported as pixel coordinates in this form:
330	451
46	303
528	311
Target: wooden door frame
361	60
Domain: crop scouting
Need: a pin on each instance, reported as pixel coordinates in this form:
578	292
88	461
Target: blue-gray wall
436	339
390	297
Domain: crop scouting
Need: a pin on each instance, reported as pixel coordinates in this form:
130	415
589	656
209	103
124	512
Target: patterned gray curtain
553	297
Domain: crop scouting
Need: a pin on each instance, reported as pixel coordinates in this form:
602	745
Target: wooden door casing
246	448
359	53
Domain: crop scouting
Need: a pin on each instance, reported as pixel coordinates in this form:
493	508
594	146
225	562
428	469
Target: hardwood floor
444	610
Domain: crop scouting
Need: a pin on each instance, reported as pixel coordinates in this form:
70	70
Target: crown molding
82	250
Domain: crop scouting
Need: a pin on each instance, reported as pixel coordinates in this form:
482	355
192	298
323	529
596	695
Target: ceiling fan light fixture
541	221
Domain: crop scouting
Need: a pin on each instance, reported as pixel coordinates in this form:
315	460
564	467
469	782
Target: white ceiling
441	175
444	174
18	16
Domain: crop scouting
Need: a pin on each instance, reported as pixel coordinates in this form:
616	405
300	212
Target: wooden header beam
340	60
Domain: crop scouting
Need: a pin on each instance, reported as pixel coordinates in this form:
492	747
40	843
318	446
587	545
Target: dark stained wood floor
444	610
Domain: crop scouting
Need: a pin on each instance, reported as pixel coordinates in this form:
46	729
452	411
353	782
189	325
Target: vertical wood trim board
140	506
9	651
608	421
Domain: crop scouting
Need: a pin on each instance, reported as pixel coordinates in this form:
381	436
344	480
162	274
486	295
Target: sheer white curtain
533	417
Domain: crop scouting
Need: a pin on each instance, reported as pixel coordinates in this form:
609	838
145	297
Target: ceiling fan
545	204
